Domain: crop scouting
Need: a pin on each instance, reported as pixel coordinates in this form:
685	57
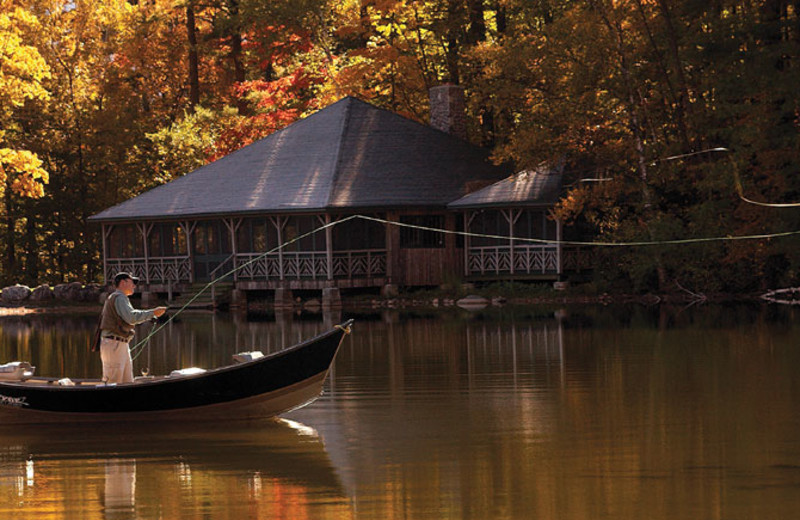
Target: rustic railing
495	260
168	269
366	263
527	259
311	265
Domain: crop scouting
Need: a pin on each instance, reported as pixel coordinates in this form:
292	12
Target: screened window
359	234
125	241
211	237
535	224
256	235
167	239
488	222
303	225
412	238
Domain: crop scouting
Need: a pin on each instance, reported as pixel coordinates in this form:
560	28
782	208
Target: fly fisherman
117	329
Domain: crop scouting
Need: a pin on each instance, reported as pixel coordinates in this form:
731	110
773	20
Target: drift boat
255	387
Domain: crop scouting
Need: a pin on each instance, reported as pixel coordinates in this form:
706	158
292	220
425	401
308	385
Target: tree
22	73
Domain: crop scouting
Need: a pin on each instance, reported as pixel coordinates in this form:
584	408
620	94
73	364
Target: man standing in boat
117	324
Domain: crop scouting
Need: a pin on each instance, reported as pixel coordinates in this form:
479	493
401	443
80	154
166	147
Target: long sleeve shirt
126	311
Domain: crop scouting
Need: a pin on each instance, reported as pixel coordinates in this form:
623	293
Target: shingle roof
540	187
348	155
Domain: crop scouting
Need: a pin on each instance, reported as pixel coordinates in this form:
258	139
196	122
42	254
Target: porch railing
167	269
367	263
495	260
311	265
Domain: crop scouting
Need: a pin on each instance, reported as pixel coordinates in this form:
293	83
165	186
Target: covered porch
511	233
169	256
514	256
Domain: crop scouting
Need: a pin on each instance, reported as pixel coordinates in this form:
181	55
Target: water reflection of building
412	398
458	352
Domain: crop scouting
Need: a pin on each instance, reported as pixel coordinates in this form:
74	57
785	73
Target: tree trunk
236	51
194	76
477	25
365	24
501	20
32	262
682	108
11	256
452	46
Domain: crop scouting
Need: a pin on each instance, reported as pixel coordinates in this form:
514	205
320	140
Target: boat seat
191	371
243	357
16	371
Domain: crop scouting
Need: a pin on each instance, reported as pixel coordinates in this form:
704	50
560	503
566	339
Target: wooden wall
421	267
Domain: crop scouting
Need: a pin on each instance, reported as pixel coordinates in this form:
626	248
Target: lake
577	412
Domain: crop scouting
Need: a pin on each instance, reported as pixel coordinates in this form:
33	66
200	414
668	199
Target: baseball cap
124	276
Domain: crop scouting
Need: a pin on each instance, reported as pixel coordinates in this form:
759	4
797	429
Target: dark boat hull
262	388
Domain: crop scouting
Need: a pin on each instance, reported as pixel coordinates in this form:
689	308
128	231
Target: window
535	224
359	234
302	225
167	239
211	237
256	235
125	241
488	222
415	238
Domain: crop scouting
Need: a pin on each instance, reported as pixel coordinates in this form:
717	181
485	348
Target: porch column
278	223
511	216
189	230
392	249
144	230
233	226
469	216
105	232
329	246
559	248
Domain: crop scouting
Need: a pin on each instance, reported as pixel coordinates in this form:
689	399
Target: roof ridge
337	162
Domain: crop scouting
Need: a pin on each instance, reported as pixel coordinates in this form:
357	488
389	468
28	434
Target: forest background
101	100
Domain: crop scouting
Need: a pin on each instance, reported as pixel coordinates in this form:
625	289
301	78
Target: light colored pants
117	363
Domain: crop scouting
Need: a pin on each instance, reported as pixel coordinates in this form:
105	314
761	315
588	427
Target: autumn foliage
655	106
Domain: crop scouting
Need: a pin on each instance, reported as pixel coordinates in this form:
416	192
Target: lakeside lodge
350	158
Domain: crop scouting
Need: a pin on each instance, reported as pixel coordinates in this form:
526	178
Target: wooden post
469	216
329	245
511	216
106	232
144	230
233	226
278	222
189	229
392	249
559	248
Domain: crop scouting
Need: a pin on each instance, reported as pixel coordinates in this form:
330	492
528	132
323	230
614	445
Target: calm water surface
577	413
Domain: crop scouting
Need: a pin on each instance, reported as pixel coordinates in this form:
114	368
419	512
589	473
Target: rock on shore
16	293
70	292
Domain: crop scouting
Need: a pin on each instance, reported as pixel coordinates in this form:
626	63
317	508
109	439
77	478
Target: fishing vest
112	323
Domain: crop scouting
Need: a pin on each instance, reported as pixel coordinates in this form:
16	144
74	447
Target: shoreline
433	301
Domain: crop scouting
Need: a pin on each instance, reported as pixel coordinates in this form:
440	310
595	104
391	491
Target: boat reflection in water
264	469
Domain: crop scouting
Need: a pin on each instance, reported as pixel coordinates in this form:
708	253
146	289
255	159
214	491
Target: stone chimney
448	110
